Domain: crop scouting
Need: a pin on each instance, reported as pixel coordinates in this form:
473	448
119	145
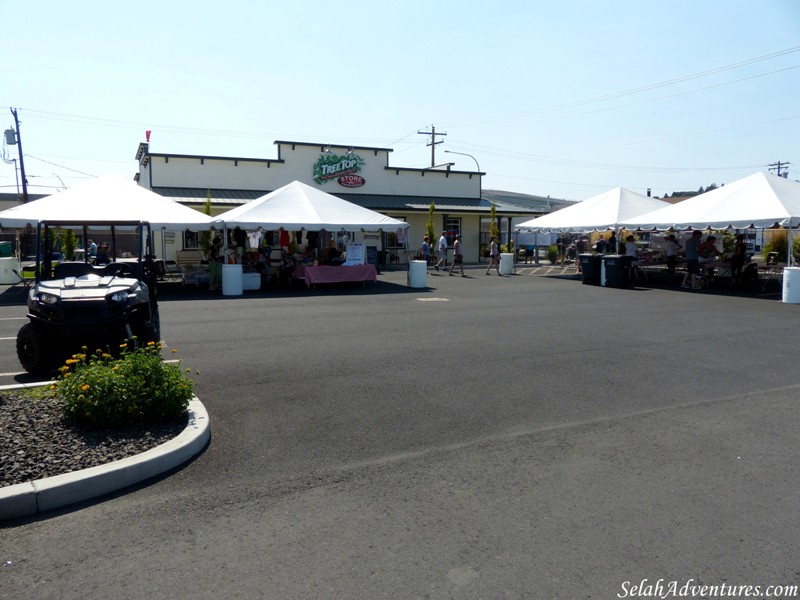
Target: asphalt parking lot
519	437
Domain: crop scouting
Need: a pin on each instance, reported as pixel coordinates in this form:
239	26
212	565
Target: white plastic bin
7	268
418	274
251	281
507	263
232	281
791	285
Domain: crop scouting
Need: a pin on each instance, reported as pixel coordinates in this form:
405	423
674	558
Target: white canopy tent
106	200
761	200
598	213
297	206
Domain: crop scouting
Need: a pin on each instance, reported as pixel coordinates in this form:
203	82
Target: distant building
361	175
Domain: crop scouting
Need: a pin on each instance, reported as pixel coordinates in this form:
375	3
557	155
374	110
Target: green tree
68	242
205	236
494	230
430	229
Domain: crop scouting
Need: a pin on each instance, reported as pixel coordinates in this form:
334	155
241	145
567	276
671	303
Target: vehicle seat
72	269
121	269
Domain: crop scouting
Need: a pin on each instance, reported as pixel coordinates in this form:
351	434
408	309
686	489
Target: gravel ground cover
36	441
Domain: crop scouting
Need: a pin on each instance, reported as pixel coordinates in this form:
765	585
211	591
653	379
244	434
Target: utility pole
776	166
433	142
18	141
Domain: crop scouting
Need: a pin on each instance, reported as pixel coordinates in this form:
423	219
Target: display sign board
372	256
355	254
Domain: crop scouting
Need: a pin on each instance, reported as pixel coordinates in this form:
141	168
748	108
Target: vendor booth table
340	274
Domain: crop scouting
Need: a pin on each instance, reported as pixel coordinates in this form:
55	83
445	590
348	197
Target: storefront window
396	239
191	240
452	227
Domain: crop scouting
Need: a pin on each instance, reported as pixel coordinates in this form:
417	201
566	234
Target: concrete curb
25	499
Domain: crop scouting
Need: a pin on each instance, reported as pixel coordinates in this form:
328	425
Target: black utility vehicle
79	304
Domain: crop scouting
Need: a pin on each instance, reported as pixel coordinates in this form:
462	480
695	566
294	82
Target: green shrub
69	242
552	254
138	387
776	241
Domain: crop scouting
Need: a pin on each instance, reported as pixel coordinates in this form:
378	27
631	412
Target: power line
560	107
60	166
613	95
553	160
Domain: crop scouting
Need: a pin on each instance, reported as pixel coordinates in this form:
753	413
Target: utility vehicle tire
145	331
148	332
32	350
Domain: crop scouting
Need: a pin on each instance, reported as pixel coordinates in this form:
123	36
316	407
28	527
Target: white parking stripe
12	374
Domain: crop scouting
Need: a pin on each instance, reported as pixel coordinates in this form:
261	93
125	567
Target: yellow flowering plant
137	387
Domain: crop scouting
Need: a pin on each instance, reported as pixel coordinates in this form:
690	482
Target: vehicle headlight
46	298
119	296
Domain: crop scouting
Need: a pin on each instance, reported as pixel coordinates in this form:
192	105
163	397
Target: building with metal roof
361	175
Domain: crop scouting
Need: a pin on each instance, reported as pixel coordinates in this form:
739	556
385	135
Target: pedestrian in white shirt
442	252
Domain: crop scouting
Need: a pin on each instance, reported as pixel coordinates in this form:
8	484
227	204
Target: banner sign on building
343	168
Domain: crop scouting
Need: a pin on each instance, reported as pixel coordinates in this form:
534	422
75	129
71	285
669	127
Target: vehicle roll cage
46	235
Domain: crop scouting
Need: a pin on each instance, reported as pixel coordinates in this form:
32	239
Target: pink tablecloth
327	274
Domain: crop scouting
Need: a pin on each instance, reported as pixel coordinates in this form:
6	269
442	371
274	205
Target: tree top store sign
342	168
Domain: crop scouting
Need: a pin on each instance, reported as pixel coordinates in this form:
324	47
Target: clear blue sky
566	99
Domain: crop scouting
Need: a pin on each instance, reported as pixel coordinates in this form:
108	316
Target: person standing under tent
738	258
672	246
580	248
692	261
215	264
611	244
630	248
600	245
709	253
458	257
103	254
442	252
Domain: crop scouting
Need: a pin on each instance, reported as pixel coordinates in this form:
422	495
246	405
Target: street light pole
480	181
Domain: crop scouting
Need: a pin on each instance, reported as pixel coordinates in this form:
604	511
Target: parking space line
12	374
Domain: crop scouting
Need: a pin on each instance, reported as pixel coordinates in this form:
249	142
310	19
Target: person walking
458	257
494	257
425	251
442	252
